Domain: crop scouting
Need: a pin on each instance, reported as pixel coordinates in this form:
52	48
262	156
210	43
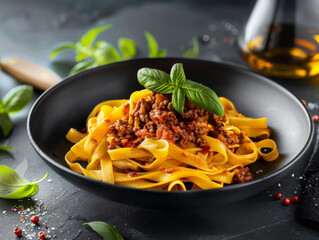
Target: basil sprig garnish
176	84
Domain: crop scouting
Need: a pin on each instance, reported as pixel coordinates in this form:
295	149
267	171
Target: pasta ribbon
267	144
159	148
153	160
217	146
74	136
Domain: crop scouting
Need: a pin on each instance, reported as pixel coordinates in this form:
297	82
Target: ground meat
243	175
157	119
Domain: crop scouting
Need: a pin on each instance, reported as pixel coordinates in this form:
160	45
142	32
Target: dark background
30	29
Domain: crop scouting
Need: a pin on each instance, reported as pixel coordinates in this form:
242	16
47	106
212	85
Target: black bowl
68	103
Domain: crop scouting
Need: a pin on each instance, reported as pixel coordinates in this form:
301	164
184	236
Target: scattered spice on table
278	195
287	201
294	199
17	231
31	211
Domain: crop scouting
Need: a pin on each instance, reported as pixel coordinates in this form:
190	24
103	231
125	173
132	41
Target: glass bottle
281	38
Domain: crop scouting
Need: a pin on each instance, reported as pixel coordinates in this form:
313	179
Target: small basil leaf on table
105	230
61	47
203	97
155	80
17	98
5	148
178	100
5	123
127	47
13	186
177	75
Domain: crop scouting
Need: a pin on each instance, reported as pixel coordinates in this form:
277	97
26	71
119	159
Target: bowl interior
68	104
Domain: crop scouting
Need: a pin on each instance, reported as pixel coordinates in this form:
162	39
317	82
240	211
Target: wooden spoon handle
29	73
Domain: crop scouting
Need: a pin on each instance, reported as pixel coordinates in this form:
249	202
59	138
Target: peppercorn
42	235
294	199
17	231
278	195
34	219
287	201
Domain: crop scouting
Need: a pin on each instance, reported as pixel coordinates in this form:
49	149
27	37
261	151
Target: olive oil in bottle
279	42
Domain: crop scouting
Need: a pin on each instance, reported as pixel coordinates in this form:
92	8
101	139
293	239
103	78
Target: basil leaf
192	52
203	97
178	100
105	230
80	56
152	44
105	53
81	66
13	186
162	53
61	47
177	74
5	123
155	80
17	98
127	47
5	148
88	38
1	106
153	48
82	52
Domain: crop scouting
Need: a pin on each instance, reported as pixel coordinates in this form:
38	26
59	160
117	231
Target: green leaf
17	98
81	66
192	52
162	53
88	38
105	53
152	45
177	74
105	230
178	100
80	56
5	123
127	47
153	49
82	52
203	97
5	148
61	47
155	80
13	186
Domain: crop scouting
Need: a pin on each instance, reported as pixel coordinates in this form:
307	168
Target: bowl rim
236	67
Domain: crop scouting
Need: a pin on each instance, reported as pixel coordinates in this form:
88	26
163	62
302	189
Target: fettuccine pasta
143	143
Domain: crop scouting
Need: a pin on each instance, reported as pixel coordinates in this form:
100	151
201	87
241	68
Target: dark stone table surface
30	29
